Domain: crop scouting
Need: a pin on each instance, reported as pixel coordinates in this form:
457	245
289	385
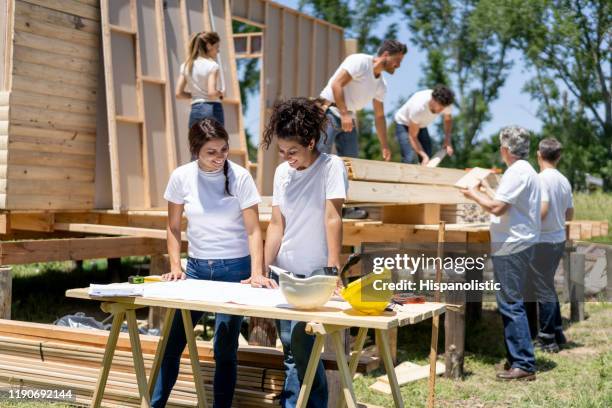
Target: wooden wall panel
119	14
155	132
305	49
4	35
195	15
49	135
131	180
124	79
149	41
176	49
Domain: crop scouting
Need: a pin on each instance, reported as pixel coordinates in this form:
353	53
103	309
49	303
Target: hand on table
259	281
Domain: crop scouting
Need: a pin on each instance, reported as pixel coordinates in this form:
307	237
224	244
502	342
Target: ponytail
225	170
198	47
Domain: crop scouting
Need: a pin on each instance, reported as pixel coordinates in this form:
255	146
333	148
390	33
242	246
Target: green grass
580	376
596	206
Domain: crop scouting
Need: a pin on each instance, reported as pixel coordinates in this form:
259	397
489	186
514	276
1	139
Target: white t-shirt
519	227
301	196
416	110
215	227
363	87
557	191
197	81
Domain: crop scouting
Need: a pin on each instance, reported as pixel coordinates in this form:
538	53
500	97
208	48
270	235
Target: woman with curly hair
305	232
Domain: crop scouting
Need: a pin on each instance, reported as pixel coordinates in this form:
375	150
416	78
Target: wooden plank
56	188
82	79
77	66
6	285
374	170
31	222
111	108
113	230
57	104
56	32
374	192
26	158
35	172
57	18
45	202
40	117
39	42
42	144
411	214
70	7
49	88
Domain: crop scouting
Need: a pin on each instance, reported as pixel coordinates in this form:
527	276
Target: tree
569	45
467	44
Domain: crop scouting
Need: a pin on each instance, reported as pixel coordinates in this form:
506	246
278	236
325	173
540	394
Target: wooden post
576	288
159	265
6	287
609	273
262	332
569	247
435	323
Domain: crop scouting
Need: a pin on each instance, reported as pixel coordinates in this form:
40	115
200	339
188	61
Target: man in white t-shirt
515	230
355	83
412	119
557	207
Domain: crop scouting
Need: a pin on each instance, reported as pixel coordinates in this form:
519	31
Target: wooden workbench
330	321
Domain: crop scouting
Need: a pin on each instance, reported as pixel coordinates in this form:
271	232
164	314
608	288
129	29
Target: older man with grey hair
515	229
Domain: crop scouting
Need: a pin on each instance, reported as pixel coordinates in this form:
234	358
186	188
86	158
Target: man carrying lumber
515	231
356	82
412	119
557	207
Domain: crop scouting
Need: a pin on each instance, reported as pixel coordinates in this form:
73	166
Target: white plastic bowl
308	293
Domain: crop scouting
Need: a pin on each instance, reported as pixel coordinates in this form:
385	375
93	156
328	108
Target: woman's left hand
260	281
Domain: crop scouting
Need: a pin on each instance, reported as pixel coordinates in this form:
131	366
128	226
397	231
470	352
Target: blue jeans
202	110
225	343
511	271
408	155
546	261
297	346
347	143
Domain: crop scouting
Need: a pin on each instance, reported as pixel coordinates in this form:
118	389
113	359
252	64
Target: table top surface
334	312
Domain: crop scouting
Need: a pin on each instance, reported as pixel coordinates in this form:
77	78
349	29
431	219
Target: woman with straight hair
219	200
305	231
201	73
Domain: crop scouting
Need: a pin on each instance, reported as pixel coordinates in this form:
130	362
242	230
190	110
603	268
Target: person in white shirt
557	207
219	200
412	119
201	74
305	231
515	231
357	81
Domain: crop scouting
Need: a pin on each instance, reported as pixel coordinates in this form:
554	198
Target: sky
512	107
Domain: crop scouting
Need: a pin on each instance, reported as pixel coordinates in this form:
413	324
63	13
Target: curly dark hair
202	132
300	119
443	95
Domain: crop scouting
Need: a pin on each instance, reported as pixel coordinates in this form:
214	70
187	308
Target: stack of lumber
381	183
40	355
586	229
463	213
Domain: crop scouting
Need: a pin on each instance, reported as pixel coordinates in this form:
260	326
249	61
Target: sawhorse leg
354	360
161	349
385	353
120	313
346	378
195	360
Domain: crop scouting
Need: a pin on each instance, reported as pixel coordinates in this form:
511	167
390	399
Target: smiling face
213	154
299	157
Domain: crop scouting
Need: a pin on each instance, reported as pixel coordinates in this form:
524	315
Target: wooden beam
374	192
374	170
112	230
50	250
